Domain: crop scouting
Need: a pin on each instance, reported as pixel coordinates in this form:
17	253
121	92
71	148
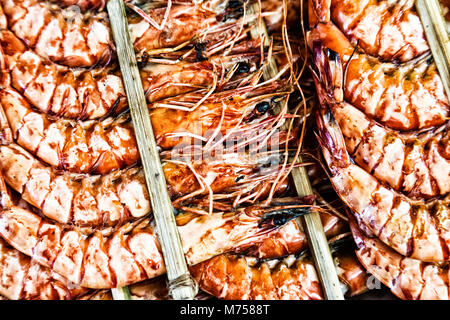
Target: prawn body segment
64	36
407	278
25	279
58	90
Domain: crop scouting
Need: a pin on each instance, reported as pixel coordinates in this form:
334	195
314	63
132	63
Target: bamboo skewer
181	285
311	223
436	32
122	293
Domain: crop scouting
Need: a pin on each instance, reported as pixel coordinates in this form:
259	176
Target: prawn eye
199	48
333	55
262	107
234	3
243	67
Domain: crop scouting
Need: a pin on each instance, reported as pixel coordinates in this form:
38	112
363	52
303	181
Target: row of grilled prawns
383	129
75	213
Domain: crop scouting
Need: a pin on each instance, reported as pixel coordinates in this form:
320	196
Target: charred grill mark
444	246
357	19
425	159
395	203
413	213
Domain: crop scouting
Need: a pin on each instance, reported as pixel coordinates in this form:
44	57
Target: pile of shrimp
382	124
75	212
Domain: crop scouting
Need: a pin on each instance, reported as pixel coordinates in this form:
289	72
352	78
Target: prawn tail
331	140
356	231
327	73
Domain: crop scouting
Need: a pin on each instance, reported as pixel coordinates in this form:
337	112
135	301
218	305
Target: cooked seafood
23	278
100	146
110	200
58	90
229	114
82	200
64	36
289	239
406	97
169	77
420	167
407	278
390	30
293	277
83	4
129	256
295	282
92	146
216	24
95	93
414	228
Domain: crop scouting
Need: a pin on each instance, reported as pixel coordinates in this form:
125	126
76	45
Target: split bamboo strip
435	28
311	223
181	285
122	293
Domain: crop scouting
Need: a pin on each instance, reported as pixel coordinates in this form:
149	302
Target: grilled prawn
110	200
418	165
82	200
290	278
95	93
406	97
64	36
129	256
390	30
91	146
407	278
58	90
25	279
414	228
100	146
215	24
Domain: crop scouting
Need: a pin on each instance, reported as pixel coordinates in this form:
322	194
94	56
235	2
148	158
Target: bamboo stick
436	32
122	293
311	223
181	285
